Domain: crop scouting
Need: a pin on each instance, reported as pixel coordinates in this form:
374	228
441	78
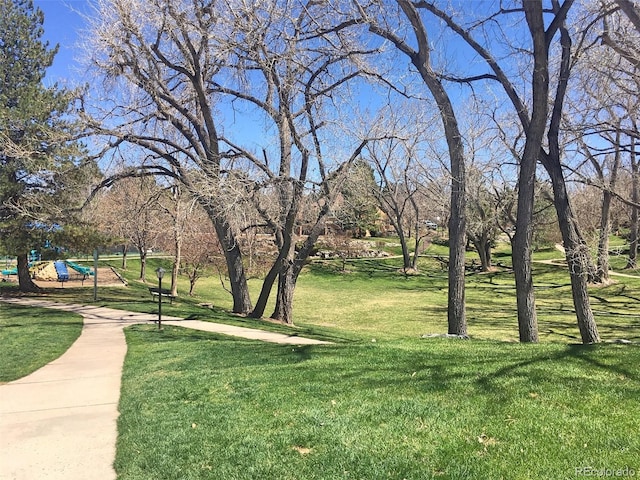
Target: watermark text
603	472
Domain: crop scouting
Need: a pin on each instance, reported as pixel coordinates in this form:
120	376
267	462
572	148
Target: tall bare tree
416	46
540	119
178	209
157	59
402	171
621	34
186	70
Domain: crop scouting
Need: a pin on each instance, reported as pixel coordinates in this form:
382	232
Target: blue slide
86	271
61	269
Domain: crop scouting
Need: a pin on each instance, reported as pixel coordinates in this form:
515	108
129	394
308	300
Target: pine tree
358	211
40	168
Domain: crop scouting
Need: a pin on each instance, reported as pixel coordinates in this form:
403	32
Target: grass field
32	337
374	299
197	406
382	402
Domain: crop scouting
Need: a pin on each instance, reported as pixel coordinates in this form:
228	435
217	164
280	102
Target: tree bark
143	265
291	267
522	240
270	278
483	246
176	263
456	313
577	255
576	250
635	196
416	251
602	264
406	256
521	257
602	270
235	268
283	310
25	283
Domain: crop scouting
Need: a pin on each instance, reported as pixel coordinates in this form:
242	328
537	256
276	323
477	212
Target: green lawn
32	337
200	406
382	402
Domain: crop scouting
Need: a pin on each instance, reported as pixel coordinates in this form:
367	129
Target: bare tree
378	19
617	71
402	171
602	115
157	59
483	215
537	128
178	208
635	198
186	69
140	217
200	247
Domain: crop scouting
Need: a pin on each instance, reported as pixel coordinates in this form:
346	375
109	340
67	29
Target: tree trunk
635	196
124	257
286	278
534	131
487	255
176	265
269	280
633	239
456	314
235	268
521	258
483	246
143	265
25	283
290	271
602	269
576	252
265	291
416	251
283	310
406	256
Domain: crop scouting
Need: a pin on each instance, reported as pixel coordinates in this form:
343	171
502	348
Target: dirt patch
106	278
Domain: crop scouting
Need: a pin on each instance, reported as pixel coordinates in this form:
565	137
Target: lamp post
160	274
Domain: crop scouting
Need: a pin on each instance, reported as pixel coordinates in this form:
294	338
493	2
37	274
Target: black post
159	301
95	275
160	274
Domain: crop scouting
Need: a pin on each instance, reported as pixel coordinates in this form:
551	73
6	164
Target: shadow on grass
576	361
501	372
506	371
39	324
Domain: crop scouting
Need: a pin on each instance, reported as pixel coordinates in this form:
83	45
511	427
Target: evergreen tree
40	170
358	211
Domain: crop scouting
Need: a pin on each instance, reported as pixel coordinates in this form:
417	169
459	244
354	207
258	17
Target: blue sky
62	23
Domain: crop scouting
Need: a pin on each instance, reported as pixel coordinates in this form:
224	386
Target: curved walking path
60	422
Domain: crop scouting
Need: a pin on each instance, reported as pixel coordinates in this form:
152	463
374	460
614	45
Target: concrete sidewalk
60	421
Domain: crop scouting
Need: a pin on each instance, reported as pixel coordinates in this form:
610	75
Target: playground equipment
85	271
78	272
61	269
48	271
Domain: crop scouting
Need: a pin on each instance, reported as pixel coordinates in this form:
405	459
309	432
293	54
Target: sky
62	24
